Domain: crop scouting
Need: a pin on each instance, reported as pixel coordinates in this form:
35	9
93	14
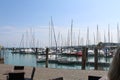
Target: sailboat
71	51
52	31
26	49
17	50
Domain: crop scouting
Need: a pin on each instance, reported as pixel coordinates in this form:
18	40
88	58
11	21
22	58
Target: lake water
30	60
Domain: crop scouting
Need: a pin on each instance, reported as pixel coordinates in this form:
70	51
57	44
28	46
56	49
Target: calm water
30	60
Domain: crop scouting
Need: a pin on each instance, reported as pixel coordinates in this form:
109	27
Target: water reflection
30	60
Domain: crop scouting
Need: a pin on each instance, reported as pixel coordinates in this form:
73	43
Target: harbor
59	39
58	60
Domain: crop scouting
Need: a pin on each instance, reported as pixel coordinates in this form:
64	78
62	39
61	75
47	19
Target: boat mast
22	41
68	39
52	25
61	42
30	41
108	33
94	37
82	41
71	35
49	35
58	40
79	38
104	37
118	34
74	37
33	38
111	38
38	44
27	39
87	41
97	40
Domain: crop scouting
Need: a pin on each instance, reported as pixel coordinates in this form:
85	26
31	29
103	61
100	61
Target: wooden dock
100	64
48	73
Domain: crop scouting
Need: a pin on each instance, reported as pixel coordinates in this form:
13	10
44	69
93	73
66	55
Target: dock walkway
48	73
100	64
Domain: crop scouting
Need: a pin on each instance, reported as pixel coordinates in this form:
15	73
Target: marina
59	60
59	39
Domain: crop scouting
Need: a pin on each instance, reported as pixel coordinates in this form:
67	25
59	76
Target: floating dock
74	62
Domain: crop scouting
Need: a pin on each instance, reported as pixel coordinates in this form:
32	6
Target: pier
48	73
100	64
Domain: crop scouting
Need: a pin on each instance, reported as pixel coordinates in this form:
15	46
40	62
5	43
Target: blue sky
17	16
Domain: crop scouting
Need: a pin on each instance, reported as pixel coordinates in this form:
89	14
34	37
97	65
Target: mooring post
13	49
2	57
47	50
0	52
3	51
84	58
106	54
96	58
36	50
86	51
